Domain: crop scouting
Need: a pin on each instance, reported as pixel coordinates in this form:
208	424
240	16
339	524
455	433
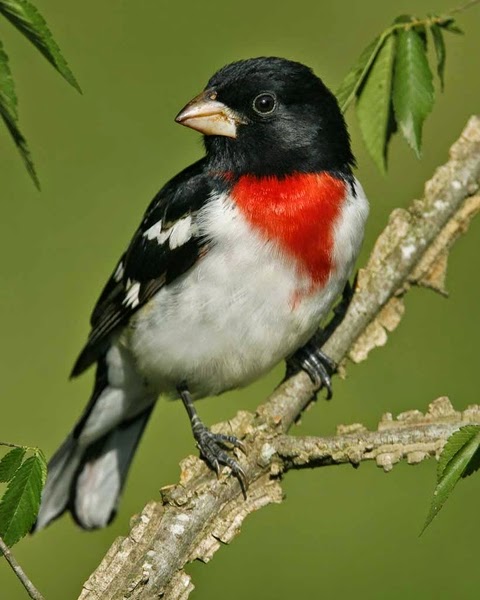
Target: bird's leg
340	309
310	358
210	444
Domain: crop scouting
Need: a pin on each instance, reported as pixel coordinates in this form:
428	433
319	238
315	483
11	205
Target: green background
101	157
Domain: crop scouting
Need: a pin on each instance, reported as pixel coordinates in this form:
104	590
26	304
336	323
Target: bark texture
194	517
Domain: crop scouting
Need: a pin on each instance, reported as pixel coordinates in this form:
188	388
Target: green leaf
20	503
10	463
7	86
403	19
460	449
473	465
440	51
9	114
30	22
422	32
412	87
449	25
455	443
355	77
391	126
42	462
374	102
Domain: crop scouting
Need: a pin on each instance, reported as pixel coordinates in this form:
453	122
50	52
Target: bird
235	264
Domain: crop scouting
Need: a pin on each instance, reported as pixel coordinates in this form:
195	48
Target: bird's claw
210	446
317	365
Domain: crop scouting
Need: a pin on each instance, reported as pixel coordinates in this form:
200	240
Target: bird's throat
298	213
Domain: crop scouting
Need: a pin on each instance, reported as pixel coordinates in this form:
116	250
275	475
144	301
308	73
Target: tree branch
411	436
199	513
19	572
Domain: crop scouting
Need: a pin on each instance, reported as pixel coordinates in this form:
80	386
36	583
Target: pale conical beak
209	116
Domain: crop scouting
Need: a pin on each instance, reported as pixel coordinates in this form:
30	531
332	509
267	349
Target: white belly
237	313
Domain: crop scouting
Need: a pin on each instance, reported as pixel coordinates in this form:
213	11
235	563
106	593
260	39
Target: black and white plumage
237	260
167	243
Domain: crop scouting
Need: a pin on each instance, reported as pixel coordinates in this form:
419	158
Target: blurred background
101	157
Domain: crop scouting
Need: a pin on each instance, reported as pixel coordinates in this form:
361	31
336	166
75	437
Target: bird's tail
87	473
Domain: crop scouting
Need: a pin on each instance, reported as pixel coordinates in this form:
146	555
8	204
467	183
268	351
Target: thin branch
199	513
10	445
19	572
465	6
411	436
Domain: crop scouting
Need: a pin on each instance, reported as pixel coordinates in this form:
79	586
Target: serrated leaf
473	465
450	25
42	462
455	443
10	463
440	51
27	19
422	32
9	114
391	126
455	467
20	503
412	87
373	104
355	77
7	85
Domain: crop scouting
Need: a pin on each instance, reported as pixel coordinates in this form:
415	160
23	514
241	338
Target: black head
270	116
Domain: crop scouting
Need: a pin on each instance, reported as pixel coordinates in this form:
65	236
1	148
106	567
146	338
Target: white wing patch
182	231
119	272
154	231
177	235
131	298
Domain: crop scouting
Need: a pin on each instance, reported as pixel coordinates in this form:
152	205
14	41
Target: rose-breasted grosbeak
236	261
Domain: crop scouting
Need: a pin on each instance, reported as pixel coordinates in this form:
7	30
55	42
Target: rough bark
195	516
412	436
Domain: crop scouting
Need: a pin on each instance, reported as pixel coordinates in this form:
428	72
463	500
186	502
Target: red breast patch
298	212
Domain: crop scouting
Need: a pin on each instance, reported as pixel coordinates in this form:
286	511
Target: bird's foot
211	446
316	364
339	310
310	358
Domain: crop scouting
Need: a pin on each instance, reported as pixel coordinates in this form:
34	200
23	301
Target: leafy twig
27	19
392	83
20	502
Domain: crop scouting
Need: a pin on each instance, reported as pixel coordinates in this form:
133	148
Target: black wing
165	246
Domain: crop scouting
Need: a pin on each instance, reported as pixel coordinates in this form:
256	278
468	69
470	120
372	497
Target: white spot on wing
163	236
154	231
119	271
131	299
181	232
177	235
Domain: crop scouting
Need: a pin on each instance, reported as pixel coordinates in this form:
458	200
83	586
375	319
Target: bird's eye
265	103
